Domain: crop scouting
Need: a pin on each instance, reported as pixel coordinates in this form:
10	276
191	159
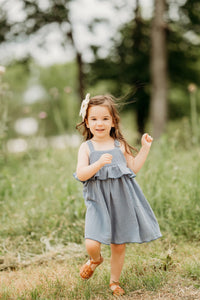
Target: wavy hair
115	132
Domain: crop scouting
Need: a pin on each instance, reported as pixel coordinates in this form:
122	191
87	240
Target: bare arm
136	163
84	170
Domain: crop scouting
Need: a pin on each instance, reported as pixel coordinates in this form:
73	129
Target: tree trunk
80	75
158	106
79	65
140	117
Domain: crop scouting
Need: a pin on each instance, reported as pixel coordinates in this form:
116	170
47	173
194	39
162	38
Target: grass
192	271
144	273
41	201
42	225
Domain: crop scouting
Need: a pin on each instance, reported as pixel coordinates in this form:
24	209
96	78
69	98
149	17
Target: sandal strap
96	262
114	283
118	291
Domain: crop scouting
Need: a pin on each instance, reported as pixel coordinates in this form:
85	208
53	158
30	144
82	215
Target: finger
108	161
143	136
150	137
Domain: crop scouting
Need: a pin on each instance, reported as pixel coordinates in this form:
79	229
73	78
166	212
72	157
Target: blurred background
53	52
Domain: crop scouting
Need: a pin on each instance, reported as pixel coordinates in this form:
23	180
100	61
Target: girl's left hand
146	140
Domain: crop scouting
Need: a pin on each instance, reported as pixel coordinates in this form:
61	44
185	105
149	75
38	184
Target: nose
99	122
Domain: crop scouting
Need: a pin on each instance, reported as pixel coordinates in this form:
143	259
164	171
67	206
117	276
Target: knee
118	249
92	245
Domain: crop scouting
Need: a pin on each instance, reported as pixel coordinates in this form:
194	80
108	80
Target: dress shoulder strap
117	144
90	145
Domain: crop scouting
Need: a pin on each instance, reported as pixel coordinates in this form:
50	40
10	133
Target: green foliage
35	17
128	63
17	75
15	81
4	96
127	68
60	101
125	71
190	10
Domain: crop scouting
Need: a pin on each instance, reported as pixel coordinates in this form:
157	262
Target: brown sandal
118	291
86	271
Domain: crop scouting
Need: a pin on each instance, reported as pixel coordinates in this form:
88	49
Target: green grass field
42	227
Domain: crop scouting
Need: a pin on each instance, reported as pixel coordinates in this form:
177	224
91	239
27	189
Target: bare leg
117	261
93	249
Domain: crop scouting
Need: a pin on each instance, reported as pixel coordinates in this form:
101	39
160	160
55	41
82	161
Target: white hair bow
84	106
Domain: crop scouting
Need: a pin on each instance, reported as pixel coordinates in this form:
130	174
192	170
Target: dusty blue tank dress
117	210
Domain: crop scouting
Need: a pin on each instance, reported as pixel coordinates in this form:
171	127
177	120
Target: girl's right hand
146	140
105	159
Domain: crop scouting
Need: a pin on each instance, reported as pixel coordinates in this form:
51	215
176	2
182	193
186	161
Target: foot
88	269
116	289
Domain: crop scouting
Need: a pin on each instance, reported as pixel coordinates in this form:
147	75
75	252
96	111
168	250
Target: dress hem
120	243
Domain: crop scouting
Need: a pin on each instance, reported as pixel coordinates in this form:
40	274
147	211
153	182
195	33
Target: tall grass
170	179
42	212
41	204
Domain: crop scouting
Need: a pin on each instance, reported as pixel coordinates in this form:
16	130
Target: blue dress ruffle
112	171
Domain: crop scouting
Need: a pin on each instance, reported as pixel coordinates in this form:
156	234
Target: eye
106	119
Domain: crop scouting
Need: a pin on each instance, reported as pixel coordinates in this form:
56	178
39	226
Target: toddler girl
117	211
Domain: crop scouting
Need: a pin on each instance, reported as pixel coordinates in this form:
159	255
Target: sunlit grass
144	271
42	204
42	222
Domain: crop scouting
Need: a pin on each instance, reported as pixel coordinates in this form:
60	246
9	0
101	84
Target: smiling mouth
99	129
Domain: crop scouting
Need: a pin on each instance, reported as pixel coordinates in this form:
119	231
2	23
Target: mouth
99	130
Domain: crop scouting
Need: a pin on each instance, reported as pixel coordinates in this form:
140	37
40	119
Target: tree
173	52
127	67
37	18
159	70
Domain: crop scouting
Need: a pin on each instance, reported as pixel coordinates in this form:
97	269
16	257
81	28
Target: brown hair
115	131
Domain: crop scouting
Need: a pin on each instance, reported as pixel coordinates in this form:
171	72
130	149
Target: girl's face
99	121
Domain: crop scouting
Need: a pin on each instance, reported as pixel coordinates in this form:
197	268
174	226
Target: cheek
90	125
